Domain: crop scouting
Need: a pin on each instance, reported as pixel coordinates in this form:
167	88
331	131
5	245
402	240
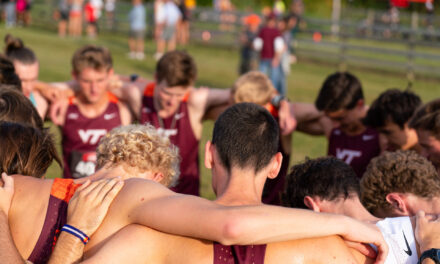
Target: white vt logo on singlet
167	132
91	136
347	155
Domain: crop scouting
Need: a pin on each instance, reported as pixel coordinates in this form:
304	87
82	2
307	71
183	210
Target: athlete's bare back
141	245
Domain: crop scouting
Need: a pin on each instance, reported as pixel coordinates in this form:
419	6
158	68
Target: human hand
90	203
6	193
58	111
366	233
51	94
116	82
364	249
275	62
286	118
427	231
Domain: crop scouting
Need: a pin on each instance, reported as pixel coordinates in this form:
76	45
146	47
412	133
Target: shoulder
125	113
198	95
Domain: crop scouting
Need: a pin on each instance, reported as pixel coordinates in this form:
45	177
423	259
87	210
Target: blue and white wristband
76	232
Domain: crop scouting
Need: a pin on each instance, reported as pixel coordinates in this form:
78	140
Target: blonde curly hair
140	148
400	171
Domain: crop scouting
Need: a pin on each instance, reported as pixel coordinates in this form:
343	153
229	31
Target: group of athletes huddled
130	155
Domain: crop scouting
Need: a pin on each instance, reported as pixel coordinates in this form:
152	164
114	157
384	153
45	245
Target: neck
89	109
164	112
358	127
243	187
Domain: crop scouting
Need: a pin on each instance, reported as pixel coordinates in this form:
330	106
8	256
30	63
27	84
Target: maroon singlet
178	128
274	187
56	217
357	151
239	254
81	136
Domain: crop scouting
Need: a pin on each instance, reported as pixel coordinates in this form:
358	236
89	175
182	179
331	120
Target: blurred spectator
110	13
226	17
62	15
168	36
247	37
27	12
97	7
159	22
295	23
183	25
10	15
430	16
138	25
91	19
285	54
75	18
20	8
279	8
271	45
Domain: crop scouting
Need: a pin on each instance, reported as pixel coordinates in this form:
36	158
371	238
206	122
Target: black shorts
64	14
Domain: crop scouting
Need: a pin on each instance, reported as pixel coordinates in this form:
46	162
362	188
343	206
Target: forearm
195	217
8	251
69	249
266	224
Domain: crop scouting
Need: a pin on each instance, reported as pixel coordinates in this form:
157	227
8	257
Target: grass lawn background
216	68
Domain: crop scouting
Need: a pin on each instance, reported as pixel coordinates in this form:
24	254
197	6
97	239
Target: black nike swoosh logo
409	252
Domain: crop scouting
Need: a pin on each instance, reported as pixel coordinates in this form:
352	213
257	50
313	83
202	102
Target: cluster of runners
129	192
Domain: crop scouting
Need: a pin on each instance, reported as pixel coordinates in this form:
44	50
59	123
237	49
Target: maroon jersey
81	136
56	216
357	151
274	187
178	128
268	35
239	254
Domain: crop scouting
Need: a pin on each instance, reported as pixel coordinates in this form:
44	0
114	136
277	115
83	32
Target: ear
312	203
158	176
74	75
209	159
398	203
276	163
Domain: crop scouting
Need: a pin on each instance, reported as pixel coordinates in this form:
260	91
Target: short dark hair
177	68
328	178
427	117
341	90
16	51
15	107
392	105
246	135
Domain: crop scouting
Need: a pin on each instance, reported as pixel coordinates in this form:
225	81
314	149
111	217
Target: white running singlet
399	235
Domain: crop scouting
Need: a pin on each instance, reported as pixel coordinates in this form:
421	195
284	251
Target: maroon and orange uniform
274	187
81	136
356	151
239	254
178	129
56	217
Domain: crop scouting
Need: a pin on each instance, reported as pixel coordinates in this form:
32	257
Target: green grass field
216	68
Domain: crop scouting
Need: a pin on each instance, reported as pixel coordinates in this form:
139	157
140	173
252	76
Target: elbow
232	231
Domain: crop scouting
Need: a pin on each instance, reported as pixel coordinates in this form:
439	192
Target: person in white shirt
329	185
169	15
